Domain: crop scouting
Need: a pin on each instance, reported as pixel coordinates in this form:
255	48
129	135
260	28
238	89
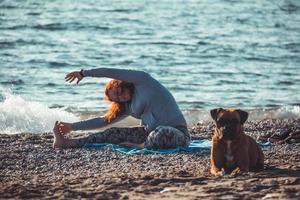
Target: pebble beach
32	169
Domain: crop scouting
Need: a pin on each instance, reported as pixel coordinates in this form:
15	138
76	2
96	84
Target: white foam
284	112
18	115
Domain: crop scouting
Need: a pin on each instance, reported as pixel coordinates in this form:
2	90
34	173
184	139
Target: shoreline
41	119
31	168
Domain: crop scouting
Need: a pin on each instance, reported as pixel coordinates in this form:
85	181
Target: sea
209	53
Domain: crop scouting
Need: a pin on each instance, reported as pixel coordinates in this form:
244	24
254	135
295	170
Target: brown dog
232	150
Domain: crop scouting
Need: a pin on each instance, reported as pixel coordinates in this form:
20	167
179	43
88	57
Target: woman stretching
133	93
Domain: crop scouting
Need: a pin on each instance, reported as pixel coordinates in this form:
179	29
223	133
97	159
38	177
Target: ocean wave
13	27
68	26
257	114
56	26
289	7
21	42
57	64
13	82
121	10
160	43
34	13
50	26
18	115
261	58
287	83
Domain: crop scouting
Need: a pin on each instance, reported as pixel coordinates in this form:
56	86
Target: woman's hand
64	127
70	77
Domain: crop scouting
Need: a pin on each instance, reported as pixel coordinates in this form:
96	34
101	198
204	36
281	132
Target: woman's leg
132	135
164	137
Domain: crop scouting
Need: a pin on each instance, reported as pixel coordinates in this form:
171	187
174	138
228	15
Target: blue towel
195	145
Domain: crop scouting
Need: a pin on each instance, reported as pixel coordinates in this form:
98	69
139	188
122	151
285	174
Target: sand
31	168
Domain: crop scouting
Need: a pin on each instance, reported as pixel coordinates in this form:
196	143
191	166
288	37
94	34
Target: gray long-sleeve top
151	102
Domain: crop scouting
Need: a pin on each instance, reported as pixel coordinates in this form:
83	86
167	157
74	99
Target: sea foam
18	115
257	114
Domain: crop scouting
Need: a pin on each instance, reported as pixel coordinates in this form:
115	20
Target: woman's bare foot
59	139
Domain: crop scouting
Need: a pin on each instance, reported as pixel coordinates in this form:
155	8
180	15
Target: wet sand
31	168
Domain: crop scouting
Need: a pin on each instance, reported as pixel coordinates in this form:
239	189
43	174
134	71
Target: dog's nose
227	129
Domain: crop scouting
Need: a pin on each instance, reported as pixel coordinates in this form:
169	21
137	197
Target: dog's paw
236	172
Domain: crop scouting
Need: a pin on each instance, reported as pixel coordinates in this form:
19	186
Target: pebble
26	159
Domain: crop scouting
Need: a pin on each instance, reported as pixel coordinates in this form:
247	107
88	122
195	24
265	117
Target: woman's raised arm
131	76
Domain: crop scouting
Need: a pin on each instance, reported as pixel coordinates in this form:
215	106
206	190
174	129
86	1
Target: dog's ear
243	115
214	113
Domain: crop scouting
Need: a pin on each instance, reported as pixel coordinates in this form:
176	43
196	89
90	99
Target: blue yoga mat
196	145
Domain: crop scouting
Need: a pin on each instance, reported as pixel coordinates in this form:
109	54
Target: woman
133	93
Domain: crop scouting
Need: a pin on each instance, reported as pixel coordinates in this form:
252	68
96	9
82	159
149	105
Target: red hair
116	108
